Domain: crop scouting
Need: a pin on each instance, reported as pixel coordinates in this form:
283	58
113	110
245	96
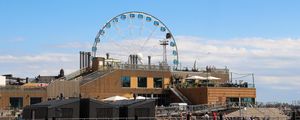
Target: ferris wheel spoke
142	27
151	48
119	32
120	46
130	27
148	38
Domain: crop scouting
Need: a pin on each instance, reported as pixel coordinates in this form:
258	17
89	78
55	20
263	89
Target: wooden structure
111	84
213	95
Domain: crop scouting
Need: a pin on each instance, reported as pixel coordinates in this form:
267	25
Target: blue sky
259	36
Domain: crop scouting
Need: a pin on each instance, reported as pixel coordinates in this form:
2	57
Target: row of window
17	102
142	82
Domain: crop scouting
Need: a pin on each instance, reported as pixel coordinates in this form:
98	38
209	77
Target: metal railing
198	109
141	67
75	74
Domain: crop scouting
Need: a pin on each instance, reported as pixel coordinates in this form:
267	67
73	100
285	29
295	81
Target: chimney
80	59
107	55
149	60
89	59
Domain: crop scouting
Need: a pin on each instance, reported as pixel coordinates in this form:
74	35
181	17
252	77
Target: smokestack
89	59
135	59
80	59
85	59
129	60
107	55
149	60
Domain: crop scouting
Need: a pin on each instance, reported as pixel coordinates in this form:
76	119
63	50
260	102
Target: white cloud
48	57
42	64
274	62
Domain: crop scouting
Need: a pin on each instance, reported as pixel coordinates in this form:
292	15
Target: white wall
2	80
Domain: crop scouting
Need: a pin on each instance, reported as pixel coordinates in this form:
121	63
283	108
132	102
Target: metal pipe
89	59
253	80
80	59
149	60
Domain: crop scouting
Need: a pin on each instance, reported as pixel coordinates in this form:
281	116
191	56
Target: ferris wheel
136	33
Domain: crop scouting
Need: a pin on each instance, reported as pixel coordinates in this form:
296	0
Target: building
19	97
106	78
89	108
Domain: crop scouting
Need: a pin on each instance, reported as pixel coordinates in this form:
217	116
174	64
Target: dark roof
130	102
55	103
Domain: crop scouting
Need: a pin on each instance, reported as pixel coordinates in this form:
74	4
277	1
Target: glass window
125	81
142	81
34	100
157	82
16	102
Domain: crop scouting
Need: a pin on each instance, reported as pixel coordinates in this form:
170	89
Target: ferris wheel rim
98	40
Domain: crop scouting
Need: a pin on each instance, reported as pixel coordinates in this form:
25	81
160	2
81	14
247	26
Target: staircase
180	95
92	76
75	74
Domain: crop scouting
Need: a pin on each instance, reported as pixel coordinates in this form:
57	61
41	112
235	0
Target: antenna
164	43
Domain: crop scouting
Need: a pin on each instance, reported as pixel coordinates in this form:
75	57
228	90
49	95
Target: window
142	81
16	102
157	82
125	81
34	100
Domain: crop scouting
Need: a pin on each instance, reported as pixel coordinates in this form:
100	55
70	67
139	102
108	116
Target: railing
141	67
198	109
75	74
212	84
180	95
94	75
177	110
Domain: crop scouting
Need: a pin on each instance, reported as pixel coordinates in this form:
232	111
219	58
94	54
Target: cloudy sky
250	36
